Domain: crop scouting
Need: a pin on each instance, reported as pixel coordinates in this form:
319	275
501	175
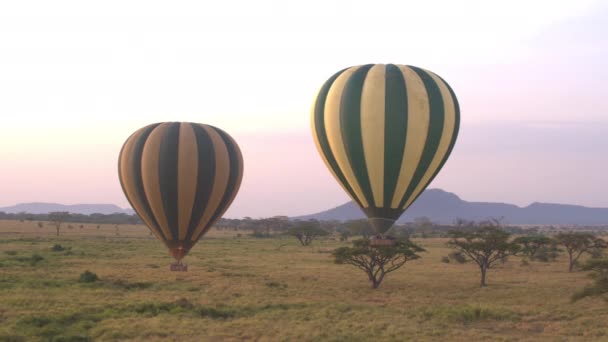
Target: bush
57	248
88	277
459	257
445	259
546	254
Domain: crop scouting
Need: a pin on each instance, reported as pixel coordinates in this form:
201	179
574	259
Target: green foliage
276	285
485	245
467	314
307	231
599	274
358	228
577	243
538	247
32	260
377	261
57	248
88	277
458	256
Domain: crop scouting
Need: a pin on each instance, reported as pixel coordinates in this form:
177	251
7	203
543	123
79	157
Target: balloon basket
379	241
178	267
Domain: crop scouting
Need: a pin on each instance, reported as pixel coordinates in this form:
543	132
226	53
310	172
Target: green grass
272	290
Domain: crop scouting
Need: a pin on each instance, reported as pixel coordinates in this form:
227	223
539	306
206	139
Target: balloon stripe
206	175
372	125
218	188
235	177
333	123
445	142
167	173
321	141
456	118
180	178
388	130
129	174
395	128
187	171
416	132
434	133
350	128
151	177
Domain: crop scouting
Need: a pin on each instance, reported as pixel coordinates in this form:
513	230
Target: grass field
242	288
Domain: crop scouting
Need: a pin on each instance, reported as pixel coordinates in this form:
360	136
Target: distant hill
86	209
443	207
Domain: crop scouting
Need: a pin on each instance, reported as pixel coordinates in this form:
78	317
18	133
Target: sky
78	77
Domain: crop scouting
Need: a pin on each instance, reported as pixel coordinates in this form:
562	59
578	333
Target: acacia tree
307	231
377	261
57	218
599	274
485	245
359	227
577	243
537	247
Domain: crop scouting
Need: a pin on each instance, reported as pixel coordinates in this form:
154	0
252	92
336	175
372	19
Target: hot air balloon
180	178
384	132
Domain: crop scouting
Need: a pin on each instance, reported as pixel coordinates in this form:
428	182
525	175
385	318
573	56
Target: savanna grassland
243	288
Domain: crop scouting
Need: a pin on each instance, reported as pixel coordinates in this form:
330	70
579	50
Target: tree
359	228
539	247
423	225
485	245
57	218
599	274
377	261
306	231
577	243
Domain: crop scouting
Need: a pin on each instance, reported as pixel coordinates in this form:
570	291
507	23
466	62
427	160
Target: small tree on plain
578	243
599	274
377	261
485	245
359	228
537	247
307	231
57	218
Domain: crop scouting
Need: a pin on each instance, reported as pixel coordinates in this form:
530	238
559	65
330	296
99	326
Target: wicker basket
178	267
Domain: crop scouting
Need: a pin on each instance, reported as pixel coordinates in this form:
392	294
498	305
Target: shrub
458	256
88	277
57	248
35	259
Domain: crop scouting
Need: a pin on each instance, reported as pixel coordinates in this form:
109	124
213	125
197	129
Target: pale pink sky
76	79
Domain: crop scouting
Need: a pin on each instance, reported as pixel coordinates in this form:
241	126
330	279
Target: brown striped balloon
180	178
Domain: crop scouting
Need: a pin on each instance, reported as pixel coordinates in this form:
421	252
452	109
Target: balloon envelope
180	178
384	132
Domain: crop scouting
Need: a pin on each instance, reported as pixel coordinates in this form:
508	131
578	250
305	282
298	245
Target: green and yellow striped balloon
180	178
384	132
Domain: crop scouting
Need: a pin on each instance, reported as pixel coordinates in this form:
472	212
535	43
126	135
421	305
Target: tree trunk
483	276
571	265
57	227
376	281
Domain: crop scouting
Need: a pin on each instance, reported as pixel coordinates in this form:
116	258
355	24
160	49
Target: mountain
86	209
444	207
